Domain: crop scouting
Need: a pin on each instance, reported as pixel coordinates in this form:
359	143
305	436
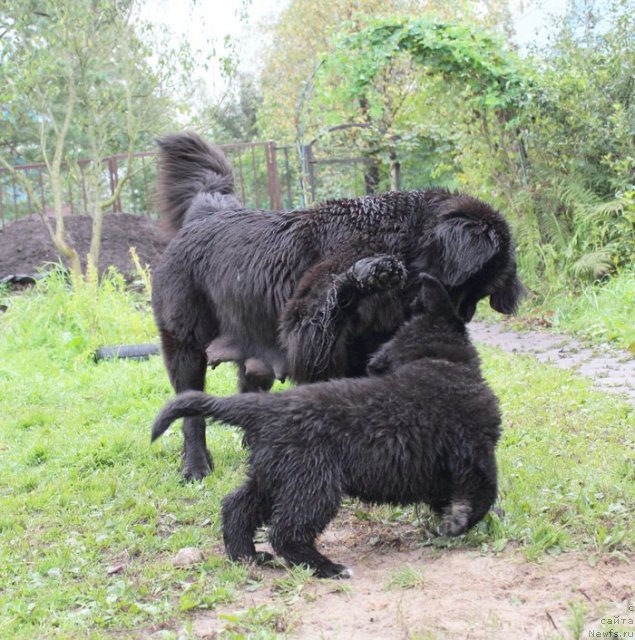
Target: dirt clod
187	557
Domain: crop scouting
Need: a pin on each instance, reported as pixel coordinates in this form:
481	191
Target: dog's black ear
432	298
507	297
465	245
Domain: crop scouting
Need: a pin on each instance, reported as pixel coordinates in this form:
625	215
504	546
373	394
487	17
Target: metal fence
335	175
265	177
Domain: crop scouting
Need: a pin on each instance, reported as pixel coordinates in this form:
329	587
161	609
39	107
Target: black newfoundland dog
273	291
422	427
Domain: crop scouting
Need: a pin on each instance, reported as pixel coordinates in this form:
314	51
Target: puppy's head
433	302
470	250
434	331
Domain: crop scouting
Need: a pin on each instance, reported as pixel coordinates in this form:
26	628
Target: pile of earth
26	246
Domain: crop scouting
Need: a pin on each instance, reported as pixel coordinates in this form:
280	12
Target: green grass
258	623
565	460
406	577
598	313
602	312
91	515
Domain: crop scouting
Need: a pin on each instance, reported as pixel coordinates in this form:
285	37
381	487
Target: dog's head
434	331
470	250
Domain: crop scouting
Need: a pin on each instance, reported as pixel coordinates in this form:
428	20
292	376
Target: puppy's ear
507	297
465	245
432	298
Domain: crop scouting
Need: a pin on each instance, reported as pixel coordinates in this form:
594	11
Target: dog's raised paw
378	273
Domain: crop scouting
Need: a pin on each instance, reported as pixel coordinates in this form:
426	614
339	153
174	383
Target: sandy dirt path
458	594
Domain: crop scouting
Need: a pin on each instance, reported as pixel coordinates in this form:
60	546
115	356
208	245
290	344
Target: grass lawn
597	313
91	515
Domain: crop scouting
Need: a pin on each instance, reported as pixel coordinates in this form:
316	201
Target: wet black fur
276	290
422	427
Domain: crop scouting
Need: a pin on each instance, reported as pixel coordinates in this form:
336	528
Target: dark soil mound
26	247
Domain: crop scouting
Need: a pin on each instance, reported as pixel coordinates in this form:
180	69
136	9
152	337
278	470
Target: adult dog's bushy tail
245	410
188	166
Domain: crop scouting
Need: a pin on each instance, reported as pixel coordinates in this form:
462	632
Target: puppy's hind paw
378	273
455	519
335	571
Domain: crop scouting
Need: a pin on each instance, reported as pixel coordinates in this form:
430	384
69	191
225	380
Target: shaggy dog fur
422	427
272	290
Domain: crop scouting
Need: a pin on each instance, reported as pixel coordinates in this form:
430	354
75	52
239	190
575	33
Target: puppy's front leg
318	321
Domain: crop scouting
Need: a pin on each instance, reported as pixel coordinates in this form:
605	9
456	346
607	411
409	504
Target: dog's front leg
186	367
318	322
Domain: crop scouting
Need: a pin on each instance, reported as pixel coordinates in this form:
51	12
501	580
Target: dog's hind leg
243	511
297	547
186	367
471	500
302	512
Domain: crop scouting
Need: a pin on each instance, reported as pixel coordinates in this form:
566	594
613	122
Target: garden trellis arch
490	76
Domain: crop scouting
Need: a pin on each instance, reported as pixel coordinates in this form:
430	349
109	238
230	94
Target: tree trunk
395	172
59	237
54	167
371	176
95	237
371	173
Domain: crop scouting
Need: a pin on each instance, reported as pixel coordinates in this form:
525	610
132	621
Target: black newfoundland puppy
422	427
276	292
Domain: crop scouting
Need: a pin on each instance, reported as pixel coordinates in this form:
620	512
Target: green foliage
547	139
78	86
461	54
580	142
396	69
91	49
555	470
77	491
291	587
81	317
601	312
234	119
260	622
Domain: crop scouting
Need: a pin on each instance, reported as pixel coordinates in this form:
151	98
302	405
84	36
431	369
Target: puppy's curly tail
188	166
245	410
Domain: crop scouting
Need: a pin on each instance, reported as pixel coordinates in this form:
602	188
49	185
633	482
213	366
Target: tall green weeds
78	317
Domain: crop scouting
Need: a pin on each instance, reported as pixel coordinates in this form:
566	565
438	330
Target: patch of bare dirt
25	245
462	594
